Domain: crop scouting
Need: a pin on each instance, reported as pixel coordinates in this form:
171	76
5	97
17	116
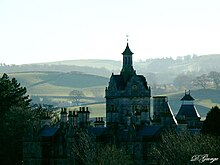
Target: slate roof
48	131
189	111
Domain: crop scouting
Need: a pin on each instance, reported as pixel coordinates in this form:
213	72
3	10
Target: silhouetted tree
12	94
15	116
211	124
202	81
76	95
215	77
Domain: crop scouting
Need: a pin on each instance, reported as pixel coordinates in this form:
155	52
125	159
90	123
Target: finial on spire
127	37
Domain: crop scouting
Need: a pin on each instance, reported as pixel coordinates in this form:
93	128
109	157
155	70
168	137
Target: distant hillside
163	70
55	68
204	63
96	63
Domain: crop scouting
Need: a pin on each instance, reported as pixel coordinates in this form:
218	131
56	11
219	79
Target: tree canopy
12	95
212	123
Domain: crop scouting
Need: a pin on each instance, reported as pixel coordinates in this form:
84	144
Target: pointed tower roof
127	51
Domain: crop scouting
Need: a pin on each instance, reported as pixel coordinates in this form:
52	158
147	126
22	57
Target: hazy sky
50	30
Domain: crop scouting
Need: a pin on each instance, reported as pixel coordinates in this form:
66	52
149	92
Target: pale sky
34	31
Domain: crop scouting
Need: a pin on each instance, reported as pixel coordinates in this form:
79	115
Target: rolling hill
57	83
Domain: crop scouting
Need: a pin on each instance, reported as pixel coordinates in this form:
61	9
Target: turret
127	68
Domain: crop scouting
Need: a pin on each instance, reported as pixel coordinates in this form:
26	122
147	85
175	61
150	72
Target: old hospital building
130	121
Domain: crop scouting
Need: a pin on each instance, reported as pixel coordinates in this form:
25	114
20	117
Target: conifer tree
15	115
12	94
